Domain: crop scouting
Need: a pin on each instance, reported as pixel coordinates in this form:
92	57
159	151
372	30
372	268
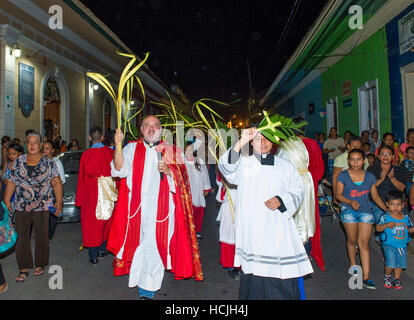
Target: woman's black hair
409	148
16	146
51	143
356	151
382	146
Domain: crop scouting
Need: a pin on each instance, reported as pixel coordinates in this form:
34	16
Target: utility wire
280	43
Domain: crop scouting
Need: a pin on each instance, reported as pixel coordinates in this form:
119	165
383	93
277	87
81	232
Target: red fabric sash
185	256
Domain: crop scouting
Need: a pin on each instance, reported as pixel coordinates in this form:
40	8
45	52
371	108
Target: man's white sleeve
293	196
128	153
228	165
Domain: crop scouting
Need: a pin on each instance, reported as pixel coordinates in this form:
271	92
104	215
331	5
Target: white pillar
88	109
8	35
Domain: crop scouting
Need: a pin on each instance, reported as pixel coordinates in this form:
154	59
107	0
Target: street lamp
16	52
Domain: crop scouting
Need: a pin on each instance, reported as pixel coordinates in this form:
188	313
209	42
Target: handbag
8	234
107	196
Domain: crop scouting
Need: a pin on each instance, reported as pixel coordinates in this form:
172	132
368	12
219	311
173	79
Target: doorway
407	74
368	107
51	110
332	115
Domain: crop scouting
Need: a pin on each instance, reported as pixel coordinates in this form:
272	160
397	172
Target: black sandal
20	278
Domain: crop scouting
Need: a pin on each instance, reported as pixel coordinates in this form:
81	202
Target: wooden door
52	112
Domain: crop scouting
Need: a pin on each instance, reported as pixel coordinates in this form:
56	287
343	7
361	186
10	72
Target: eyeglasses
149	125
386	154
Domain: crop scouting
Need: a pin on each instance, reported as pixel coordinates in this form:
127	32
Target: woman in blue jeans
353	190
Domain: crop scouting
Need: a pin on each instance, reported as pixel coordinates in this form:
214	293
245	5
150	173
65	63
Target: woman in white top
199	184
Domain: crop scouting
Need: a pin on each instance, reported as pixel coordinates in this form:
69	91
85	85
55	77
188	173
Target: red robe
185	258
316	168
94	163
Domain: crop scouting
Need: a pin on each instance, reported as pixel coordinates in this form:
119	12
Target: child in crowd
371	158
199	184
395	227
366	148
408	166
226	195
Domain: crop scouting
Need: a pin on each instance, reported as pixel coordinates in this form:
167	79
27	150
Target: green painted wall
360	69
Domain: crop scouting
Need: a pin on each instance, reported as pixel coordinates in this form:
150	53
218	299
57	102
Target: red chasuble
316	168
183	248
94	163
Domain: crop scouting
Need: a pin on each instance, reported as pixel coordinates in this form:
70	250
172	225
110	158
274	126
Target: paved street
84	281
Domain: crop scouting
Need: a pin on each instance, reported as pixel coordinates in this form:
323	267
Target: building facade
43	80
352	79
400	35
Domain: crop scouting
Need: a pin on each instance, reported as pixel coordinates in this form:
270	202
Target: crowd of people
144	202
368	176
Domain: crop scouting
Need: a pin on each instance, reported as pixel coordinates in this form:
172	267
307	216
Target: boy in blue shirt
395	227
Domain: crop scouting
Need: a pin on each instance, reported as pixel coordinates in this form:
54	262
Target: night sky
203	46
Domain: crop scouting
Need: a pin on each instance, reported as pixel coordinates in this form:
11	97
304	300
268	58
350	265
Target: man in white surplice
268	246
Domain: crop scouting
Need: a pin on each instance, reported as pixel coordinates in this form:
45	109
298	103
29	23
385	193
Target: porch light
15	51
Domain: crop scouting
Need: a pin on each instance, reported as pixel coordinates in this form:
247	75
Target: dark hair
394	195
356	151
329	135
367	143
388	134
16	146
409	148
363	132
96	133
5	139
28	131
354	138
369	155
51	143
384	146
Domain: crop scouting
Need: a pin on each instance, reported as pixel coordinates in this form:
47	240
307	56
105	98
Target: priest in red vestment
153	225
95	163
316	168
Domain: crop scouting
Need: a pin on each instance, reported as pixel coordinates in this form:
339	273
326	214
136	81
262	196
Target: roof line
96	23
326	13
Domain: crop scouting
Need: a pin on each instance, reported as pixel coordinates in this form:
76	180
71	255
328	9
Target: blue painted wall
395	62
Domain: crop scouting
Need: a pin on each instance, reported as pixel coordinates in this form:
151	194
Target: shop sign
406	32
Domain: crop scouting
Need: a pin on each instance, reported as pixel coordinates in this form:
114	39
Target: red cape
316	168
94	163
185	258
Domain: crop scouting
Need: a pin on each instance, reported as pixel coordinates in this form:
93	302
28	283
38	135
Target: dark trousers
94	251
2	279
52	225
263	288
24	221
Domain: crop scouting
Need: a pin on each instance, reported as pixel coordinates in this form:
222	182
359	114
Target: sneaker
353	270
397	284
369	284
388	281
